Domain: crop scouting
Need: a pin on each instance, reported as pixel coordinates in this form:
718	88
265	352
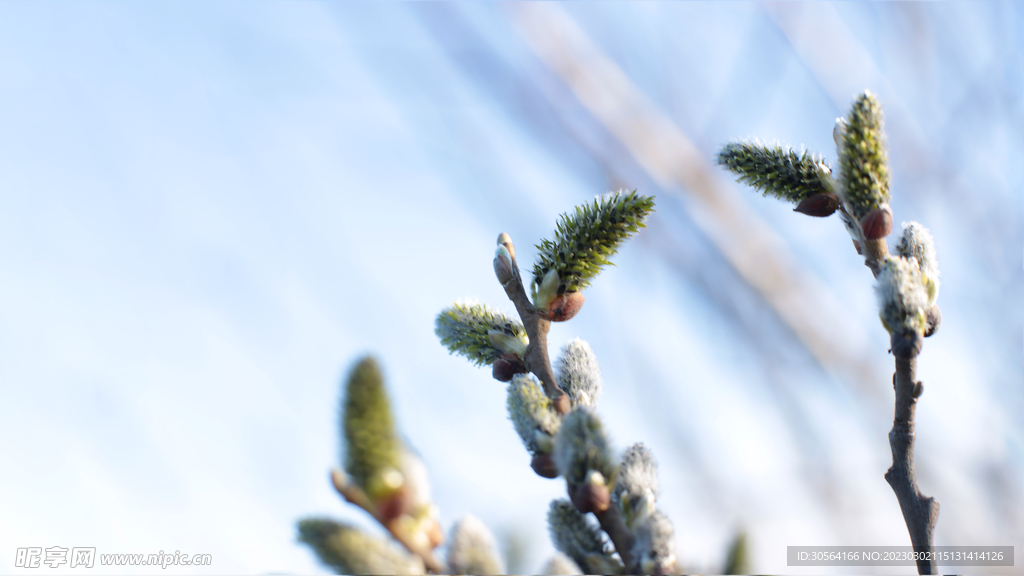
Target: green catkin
352	551
372	445
467	329
587	237
776	171
863	160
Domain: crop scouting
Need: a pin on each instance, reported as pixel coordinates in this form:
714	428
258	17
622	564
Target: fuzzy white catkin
917	242
654	546
575	537
577	373
471	548
530	410
902	295
561	564
581	445
417	481
636	489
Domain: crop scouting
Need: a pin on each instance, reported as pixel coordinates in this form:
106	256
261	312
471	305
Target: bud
545	293
506	241
839	135
592	495
902	299
586	238
471	548
561	564
573	536
777	171
507	366
737	560
581	447
532	413
479	333
877	223
916	242
503	264
933	319
863	161
349	550
566	306
636	488
372	448
654	548
819	205
544	465
577	373
507	343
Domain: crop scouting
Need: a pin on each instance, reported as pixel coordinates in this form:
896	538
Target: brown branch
611	522
536	360
536	357
919	512
355	495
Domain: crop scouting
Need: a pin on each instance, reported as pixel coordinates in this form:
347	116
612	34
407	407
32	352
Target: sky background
209	211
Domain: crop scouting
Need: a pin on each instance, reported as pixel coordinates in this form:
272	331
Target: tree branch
355	495
919	512
611	522
536	357
537	361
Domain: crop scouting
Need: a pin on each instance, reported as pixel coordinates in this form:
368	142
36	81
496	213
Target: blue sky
209	211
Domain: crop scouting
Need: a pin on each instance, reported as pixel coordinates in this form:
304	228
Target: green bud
863	160
479	333
373	450
777	171
507	343
586	238
546	292
351	551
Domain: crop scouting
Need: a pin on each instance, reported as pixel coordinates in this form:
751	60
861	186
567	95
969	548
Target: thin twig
355	495
920	512
536	357
611	522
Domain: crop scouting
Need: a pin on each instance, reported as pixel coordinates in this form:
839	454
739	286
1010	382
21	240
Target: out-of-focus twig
355	495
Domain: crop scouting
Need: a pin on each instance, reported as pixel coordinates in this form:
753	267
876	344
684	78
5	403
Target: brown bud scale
397	504
565	306
933	319
507	366
544	465
876	224
591	498
819	205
